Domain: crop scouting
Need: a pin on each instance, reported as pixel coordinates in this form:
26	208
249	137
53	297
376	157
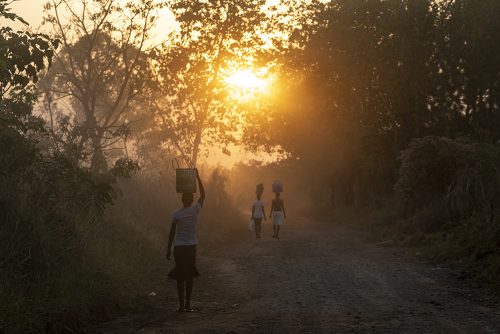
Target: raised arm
171	238
202	190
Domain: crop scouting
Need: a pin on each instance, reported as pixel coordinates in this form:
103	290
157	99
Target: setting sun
248	80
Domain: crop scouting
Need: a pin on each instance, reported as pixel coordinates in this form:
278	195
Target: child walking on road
278	213
183	235
258	212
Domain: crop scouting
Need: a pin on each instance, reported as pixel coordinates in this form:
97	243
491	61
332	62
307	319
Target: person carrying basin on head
183	236
277	209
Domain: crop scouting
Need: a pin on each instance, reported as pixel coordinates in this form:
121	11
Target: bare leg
189	290
274	231
277	231
180	292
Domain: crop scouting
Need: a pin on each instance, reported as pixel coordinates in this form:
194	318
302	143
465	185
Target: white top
186	219
258	211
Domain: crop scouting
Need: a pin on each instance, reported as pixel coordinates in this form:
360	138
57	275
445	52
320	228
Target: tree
365	72
469	60
214	38
103	69
23	56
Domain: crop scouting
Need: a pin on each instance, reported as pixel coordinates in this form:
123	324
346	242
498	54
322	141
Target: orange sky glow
246	81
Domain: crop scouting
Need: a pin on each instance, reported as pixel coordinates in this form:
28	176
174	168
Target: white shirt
258	211
186	219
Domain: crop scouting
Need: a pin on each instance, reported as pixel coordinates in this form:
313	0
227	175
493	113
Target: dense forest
388	107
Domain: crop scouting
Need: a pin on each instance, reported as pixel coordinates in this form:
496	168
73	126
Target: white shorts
278	217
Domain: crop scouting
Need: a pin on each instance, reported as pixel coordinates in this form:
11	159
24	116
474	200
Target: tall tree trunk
196	147
98	163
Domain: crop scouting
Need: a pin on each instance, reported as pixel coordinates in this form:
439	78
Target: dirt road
320	277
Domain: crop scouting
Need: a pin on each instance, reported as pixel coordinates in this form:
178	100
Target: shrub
475	188
428	168
451	189
465	177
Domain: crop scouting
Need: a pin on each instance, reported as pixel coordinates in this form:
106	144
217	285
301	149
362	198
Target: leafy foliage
464	176
46	198
366	78
214	37
429	166
22	56
475	189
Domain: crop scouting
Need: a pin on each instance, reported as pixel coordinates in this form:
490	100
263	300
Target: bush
450	190
465	177
47	204
60	260
428	168
475	188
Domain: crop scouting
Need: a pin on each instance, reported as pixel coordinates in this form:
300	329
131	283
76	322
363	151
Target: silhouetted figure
278	213
183	229
258	213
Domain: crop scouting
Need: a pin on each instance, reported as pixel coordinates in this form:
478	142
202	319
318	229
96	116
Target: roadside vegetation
447	205
83	226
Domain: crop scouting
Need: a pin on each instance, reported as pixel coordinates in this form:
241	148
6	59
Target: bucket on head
277	186
185	180
259	189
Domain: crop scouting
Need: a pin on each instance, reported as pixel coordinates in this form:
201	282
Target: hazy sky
30	10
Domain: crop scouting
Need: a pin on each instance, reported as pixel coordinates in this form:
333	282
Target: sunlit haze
246	79
245	83
32	12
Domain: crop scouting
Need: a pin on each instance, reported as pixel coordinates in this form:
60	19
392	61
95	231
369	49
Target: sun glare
247	80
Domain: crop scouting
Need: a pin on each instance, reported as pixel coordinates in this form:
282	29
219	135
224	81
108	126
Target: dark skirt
185	263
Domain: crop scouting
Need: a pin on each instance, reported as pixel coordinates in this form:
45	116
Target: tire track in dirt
318	278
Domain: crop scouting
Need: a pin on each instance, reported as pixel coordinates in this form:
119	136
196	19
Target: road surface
320	277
